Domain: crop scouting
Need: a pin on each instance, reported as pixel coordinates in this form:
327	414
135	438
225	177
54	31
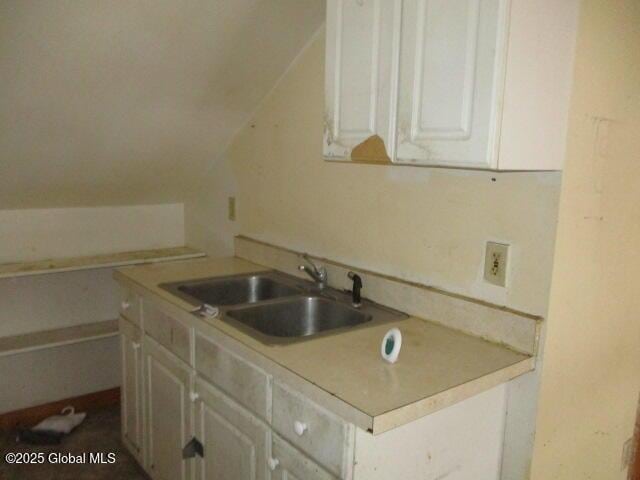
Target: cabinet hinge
193	448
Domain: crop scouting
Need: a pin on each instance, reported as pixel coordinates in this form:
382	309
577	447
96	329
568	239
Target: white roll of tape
391	344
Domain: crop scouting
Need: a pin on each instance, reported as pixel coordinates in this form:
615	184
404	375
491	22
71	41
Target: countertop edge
409	413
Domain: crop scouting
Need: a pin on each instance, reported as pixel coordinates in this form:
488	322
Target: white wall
43	376
591	372
45	302
125	102
27	235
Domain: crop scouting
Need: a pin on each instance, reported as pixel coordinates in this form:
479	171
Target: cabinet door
287	463
131	386
168	411
362	55
234	441
452	54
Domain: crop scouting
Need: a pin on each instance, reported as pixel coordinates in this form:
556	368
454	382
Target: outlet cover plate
496	262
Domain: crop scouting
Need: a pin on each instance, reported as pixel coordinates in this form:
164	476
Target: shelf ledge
29	342
42	267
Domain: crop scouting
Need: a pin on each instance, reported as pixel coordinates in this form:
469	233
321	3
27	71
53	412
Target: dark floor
100	432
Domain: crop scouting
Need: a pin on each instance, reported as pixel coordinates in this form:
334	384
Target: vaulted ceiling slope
105	103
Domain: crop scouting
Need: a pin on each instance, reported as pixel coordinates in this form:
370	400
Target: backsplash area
518	331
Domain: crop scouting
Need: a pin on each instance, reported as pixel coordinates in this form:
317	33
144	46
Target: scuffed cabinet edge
500	76
332	150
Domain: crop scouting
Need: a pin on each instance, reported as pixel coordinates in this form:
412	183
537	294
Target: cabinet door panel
235	442
168	385
446	41
448	81
363	45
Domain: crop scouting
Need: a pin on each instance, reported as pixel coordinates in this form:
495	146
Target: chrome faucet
318	274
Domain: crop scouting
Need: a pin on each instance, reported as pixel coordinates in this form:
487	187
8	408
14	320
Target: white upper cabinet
363	47
459	83
447	78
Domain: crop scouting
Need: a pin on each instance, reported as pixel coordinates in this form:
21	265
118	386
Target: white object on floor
64	423
391	344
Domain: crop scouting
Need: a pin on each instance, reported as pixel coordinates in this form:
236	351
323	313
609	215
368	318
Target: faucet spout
317	273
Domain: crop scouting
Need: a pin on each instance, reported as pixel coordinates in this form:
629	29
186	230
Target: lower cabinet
168	387
234	442
224	418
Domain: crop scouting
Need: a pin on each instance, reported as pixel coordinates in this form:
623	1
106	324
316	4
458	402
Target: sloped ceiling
125	102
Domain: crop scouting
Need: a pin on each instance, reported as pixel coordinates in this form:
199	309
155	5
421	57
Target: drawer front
168	332
131	306
241	380
323	436
289	464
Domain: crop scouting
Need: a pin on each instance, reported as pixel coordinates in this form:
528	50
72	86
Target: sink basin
299	317
236	290
274	307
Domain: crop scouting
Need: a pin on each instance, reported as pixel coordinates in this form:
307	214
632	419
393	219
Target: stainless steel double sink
279	308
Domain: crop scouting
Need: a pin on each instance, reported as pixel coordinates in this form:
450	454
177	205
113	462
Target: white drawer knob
300	428
136	345
125	305
273	463
194	396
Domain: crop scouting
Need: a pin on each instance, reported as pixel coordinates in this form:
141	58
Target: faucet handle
305	256
356	299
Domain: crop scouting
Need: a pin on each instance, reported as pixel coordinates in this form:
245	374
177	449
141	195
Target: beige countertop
437	367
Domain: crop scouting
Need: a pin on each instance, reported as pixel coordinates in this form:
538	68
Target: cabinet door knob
300	427
194	396
136	345
273	463
125	305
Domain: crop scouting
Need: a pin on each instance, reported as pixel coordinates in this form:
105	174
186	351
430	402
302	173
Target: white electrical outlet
495	263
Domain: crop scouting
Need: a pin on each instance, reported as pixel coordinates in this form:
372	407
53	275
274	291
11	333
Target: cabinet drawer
131	306
168	332
323	436
291	464
246	383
